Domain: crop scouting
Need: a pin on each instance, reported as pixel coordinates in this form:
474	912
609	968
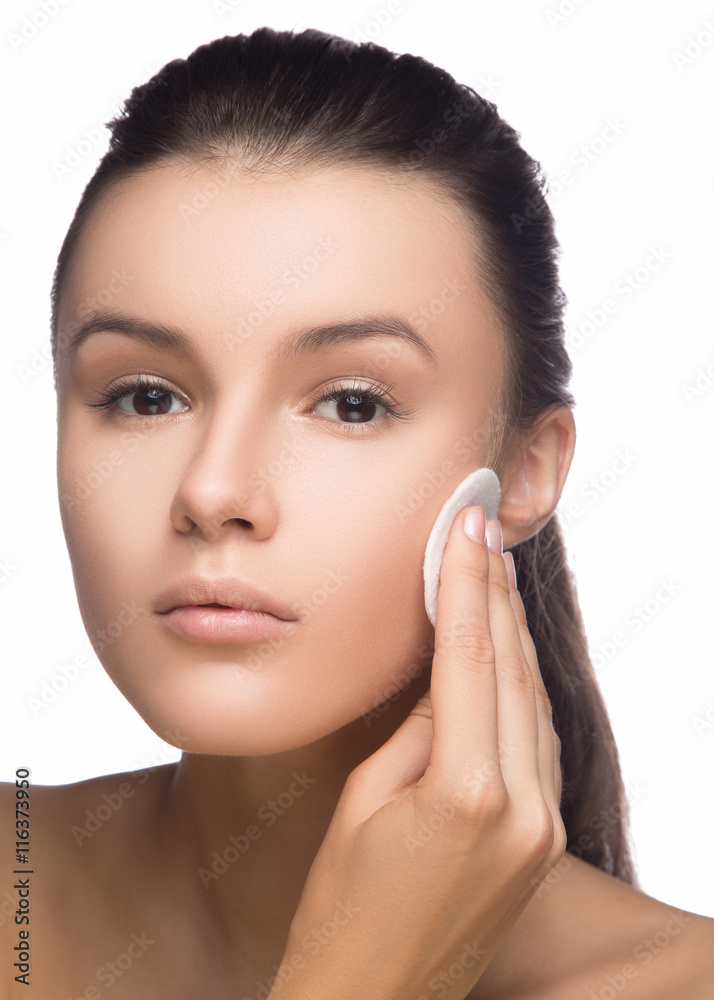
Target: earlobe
534	473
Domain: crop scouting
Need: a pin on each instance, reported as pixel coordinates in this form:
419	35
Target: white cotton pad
480	489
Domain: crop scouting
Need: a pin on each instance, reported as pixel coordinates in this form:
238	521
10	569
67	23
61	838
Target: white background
558	78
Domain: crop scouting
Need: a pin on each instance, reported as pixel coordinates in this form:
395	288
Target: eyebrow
305	341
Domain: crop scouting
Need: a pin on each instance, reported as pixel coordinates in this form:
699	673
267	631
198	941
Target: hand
441	836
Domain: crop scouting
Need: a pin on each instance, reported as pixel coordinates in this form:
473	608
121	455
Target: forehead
197	247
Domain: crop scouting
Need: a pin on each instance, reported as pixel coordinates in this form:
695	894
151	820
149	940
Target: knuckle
475	571
481	797
535	832
470	639
499	582
516	671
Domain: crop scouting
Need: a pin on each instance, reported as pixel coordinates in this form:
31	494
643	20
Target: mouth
222	623
223	594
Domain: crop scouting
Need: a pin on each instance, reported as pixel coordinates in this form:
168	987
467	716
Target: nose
220	487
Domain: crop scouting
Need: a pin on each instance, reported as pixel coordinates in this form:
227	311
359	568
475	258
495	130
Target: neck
242	832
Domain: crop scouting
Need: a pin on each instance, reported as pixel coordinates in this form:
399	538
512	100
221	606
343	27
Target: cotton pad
480	489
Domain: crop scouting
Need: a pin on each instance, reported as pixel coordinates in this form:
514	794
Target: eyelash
143	384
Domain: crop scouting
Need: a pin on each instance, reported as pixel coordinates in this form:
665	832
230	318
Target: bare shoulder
586	935
79	838
68	820
623	939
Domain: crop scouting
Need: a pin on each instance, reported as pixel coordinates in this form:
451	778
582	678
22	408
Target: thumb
392	770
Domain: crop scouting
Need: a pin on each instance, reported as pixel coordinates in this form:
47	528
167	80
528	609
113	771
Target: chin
205	722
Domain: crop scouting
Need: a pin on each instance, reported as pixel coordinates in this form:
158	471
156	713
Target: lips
228	592
204	623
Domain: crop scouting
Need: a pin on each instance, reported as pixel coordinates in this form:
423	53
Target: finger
392	770
518	724
463	672
548	744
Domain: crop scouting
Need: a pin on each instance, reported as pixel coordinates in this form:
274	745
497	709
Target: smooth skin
483	761
249	473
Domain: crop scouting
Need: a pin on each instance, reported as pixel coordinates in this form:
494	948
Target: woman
310	288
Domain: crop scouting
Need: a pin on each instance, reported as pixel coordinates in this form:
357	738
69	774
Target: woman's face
234	466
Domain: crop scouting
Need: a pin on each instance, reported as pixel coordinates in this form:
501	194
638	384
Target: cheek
381	625
109	516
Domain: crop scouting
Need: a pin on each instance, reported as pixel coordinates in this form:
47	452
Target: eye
357	404
145	397
142	396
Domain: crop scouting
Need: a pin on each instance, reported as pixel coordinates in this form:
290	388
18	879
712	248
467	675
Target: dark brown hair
277	98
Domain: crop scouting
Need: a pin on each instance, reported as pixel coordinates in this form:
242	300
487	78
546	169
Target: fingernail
510	569
475	524
494	536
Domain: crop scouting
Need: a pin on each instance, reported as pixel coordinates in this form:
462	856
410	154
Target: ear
533	473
